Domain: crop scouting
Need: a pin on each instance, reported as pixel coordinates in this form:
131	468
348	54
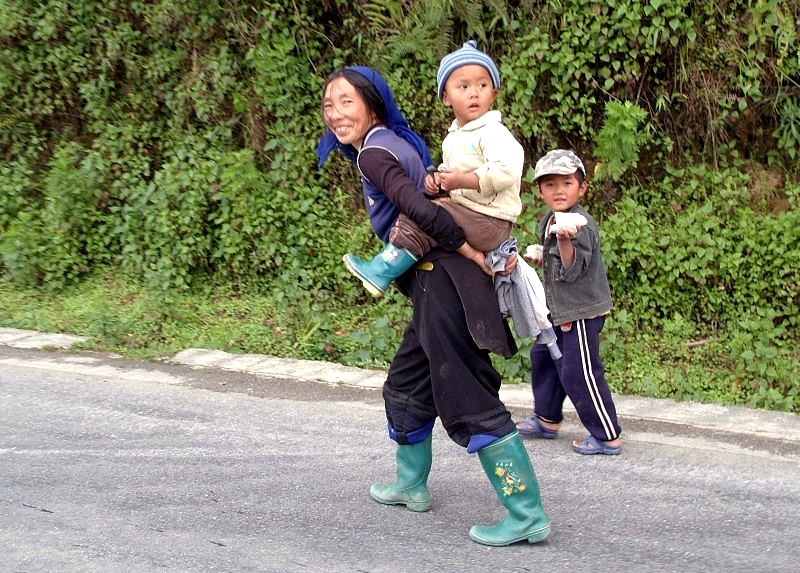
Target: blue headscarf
394	120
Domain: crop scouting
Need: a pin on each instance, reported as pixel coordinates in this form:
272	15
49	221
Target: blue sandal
591	446
532	427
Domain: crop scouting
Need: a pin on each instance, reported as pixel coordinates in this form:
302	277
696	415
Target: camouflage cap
558	162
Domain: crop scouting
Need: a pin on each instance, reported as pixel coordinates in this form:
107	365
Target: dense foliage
173	141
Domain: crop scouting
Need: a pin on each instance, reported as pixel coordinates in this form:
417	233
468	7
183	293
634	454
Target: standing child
579	298
481	171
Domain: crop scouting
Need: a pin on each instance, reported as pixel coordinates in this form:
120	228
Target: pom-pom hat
465	55
558	162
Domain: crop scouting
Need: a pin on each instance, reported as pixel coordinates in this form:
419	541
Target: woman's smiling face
345	112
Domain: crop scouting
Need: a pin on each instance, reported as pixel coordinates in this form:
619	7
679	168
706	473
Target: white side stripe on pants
591	383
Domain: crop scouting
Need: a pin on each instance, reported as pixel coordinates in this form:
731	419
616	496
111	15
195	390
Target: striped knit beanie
467	54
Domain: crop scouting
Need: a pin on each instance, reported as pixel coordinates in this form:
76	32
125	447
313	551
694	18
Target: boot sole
536	536
418	506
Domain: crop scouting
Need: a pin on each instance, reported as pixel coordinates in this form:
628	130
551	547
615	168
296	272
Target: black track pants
579	374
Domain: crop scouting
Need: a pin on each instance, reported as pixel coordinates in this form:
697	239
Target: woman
443	367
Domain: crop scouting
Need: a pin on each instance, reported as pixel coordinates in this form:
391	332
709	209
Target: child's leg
408	244
483	232
583	378
406	234
548	393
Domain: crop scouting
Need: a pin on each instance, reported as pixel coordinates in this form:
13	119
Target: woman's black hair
365	88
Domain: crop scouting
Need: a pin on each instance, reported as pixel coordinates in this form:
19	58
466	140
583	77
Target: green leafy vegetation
159	190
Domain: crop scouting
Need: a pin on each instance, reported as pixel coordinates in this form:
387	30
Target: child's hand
567	225
566	232
534	254
450	178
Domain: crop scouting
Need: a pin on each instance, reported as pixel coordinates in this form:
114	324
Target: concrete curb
33	339
782	426
311	370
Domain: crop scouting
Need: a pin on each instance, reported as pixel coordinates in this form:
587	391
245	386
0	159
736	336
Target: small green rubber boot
385	267
410	488
510	472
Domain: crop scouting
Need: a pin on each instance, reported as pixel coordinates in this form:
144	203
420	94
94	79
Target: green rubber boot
508	466
410	488
385	267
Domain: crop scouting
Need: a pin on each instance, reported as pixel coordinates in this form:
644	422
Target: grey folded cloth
521	297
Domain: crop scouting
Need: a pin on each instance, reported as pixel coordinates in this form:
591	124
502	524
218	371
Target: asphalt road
115	465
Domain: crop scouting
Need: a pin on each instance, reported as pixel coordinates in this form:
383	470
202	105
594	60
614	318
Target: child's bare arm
565	229
565	247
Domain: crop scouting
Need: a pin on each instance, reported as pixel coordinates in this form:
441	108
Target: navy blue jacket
392	176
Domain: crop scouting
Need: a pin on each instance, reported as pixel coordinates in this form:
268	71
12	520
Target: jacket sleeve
386	173
504	159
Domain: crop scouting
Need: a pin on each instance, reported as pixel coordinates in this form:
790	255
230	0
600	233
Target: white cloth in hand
563	220
534	252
